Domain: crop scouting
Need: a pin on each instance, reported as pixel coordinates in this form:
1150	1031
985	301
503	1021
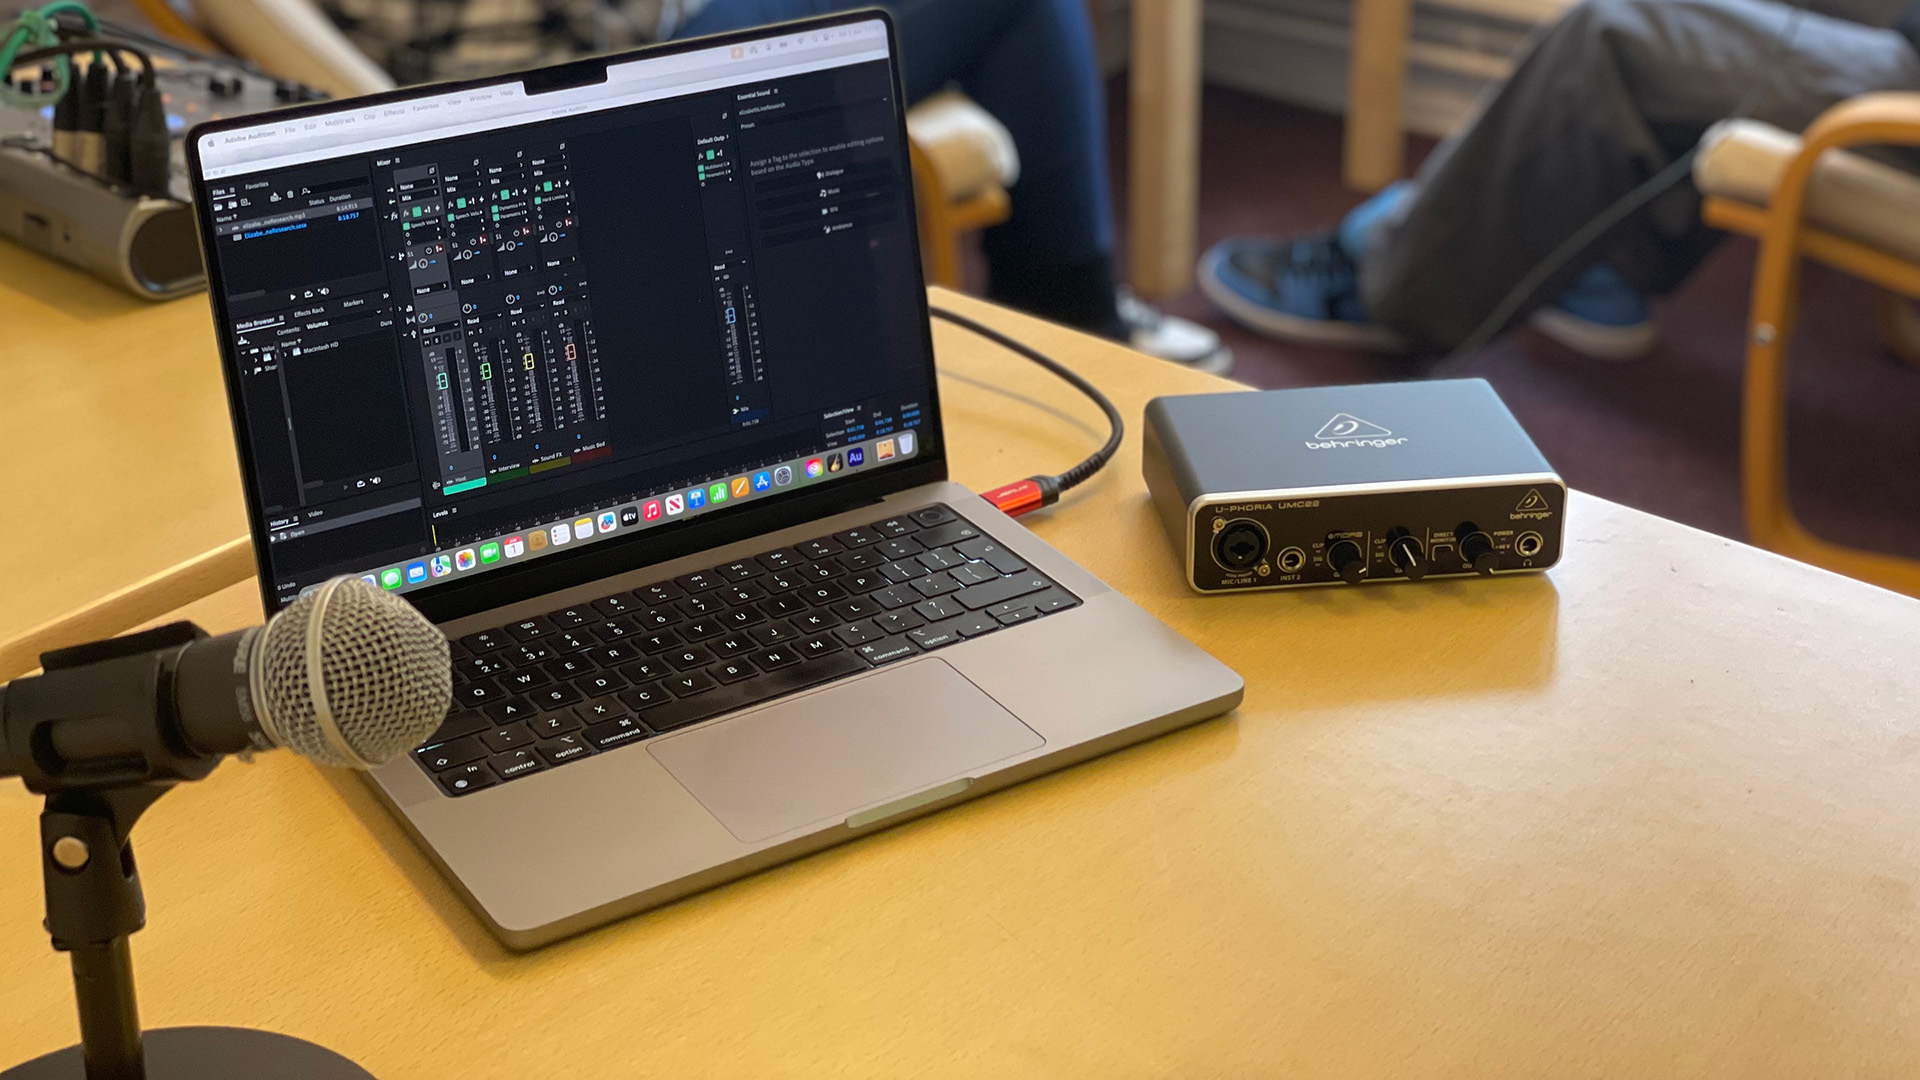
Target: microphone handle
213	700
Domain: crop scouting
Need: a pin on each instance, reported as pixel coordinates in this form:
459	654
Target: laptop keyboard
583	680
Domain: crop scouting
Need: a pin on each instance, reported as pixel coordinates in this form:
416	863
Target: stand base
210	1053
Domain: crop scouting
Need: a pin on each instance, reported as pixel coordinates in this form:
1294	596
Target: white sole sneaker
1370	337
1595	340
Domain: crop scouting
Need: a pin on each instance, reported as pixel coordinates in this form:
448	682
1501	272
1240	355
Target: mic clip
160	637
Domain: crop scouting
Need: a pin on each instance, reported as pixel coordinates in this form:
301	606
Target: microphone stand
94	900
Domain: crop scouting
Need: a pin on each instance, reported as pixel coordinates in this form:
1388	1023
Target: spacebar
725	699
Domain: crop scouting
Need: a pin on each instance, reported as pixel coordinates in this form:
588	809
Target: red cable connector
1024	496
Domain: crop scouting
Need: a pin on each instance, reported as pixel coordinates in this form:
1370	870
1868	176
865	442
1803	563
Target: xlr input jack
1241	545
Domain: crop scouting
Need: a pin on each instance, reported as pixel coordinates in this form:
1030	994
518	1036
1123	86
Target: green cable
39	30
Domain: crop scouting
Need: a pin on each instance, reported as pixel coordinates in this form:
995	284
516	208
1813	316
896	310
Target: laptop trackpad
824	756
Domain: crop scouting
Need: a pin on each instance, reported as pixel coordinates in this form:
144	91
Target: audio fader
1350	484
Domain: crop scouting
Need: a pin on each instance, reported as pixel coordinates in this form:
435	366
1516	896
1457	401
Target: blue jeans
1030	63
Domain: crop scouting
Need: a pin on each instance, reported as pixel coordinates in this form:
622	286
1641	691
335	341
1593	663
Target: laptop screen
486	324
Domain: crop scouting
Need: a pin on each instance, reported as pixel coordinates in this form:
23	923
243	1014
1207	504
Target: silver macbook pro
621	372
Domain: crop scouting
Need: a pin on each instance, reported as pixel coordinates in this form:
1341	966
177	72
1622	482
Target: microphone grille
382	668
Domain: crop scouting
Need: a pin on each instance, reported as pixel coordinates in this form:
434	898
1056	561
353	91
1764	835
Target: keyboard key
527	654
939	607
777	657
816	620
785	580
446	755
547	725
566	641
516	763
865	581
702	629
552	697
528	629
1014	617
654	644
895	526
898	622
689	658
972	624
1006	588
564	748
933	637
457	651
821	594
566	667
506	738
624	729
742	594
525	679
855	609
613	655
931	515
690	683
856	538
939	559
887	650
477	693
741	570
1054	600
479	667
896	550
467	778
739	695
973	573
779	607
740	618
731	645
898	572
732	671
621	604
936	585
858	633
645	697
597	711
697	606
819	548
568	618
486	641
700	581
658	594
614	629
896	597
459	725
653	620
988	550
648	670
821	571
773	633
817	646
599	684
862	560
507	710
779	560
951	533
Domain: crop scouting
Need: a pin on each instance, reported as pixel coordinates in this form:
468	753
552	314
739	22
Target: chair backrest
291	39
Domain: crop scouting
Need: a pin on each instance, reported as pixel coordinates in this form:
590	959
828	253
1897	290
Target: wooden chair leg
1376	136
1899	326
1763	425
939	237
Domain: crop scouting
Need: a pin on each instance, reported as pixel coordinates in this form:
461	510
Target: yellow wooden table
1656	814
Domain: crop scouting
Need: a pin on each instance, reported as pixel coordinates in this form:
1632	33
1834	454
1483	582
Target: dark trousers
1611	94
1031	64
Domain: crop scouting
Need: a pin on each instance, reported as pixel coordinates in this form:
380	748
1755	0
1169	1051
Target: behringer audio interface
1350	484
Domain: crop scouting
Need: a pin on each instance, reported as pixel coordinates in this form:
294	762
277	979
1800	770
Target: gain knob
1476	550
1347	560
1409	554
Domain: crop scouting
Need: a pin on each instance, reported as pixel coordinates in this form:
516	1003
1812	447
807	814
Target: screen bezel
456	598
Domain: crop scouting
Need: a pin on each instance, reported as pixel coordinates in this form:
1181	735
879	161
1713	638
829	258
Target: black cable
1051	487
1522	294
78	46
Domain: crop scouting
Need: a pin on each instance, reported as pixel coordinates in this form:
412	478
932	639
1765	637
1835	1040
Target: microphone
347	675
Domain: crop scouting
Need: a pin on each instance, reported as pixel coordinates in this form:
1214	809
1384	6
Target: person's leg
1031	64
1612	94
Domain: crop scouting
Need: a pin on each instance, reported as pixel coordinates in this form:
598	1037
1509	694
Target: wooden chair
1807	198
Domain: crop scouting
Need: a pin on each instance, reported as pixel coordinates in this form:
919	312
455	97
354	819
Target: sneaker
1170	337
1305	290
1600	316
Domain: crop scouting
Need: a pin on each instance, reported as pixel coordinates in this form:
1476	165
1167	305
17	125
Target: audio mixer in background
98	180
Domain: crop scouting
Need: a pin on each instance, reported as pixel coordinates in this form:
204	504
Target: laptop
621	372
